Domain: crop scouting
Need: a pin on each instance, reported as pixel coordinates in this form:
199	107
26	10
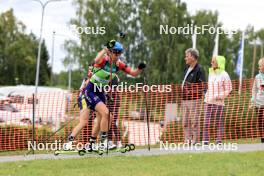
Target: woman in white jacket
257	99
219	87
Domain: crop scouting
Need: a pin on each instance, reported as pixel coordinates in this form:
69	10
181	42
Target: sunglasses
116	51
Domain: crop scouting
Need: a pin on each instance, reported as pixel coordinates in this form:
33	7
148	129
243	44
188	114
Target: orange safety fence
55	112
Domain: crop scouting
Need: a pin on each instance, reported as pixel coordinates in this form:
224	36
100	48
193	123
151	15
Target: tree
143	40
113	17
163	52
18	52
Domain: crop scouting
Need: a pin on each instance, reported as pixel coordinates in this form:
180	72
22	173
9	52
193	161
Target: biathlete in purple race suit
106	67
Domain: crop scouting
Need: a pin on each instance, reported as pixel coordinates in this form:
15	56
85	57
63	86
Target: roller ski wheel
82	152
87	151
123	150
127	147
101	152
57	152
132	146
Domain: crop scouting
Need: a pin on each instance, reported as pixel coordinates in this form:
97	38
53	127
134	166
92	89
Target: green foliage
140	20
62	79
18	53
164	53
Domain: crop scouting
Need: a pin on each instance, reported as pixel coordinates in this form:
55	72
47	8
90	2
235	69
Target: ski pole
53	134
146	104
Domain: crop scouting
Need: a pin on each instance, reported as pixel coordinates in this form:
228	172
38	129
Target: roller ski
66	149
123	149
58	152
102	149
87	149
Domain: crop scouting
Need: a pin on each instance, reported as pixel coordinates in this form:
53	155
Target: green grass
222	164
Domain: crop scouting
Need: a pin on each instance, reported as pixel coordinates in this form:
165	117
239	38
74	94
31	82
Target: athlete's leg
96	125
84	116
104	124
95	132
115	127
104	112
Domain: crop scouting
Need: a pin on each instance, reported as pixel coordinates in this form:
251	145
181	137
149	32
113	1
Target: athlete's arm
122	66
135	72
101	55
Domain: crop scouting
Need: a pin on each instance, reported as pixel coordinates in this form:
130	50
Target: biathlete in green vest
106	66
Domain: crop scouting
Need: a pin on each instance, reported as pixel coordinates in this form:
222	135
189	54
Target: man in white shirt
192	92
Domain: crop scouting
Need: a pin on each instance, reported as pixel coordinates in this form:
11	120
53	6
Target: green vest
101	76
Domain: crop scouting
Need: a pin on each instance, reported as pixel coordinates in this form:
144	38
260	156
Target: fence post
146	108
33	127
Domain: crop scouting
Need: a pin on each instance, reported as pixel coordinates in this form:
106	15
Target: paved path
145	152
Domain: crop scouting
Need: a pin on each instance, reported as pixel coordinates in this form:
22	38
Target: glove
141	66
90	72
122	35
110	44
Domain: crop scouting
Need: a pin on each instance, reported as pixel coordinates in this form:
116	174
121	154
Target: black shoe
205	143
218	142
262	140
91	146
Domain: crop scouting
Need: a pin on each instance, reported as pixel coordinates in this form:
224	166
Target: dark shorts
90	97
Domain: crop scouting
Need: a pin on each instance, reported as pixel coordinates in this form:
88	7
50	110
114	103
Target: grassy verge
232	164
